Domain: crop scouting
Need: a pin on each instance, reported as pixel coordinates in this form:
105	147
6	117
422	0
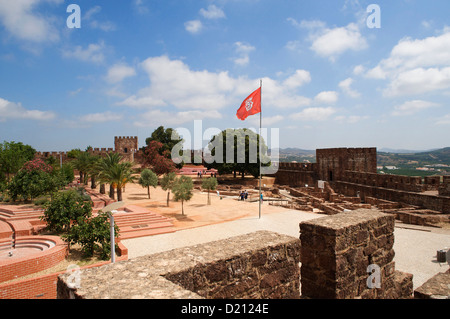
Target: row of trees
245	145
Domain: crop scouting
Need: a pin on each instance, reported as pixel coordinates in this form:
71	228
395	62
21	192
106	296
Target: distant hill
439	156
402	151
385	157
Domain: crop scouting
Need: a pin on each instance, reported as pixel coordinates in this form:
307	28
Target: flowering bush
37	165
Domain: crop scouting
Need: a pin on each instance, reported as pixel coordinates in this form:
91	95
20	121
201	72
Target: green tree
104	167
66	209
182	190
118	176
81	163
238	151
210	184
167	183
34	179
168	137
147	179
13	156
93	234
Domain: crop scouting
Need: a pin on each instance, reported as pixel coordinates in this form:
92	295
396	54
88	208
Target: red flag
250	106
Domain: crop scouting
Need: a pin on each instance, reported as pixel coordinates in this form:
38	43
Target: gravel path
415	249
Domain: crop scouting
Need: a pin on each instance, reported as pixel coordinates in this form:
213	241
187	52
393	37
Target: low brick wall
336	252
19	267
257	265
44	287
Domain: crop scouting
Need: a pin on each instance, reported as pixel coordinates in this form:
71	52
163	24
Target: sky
335	73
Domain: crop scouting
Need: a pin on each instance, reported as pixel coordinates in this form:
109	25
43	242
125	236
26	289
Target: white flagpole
260	141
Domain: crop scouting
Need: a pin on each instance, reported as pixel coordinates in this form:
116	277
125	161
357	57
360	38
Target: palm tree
81	163
119	175
104	167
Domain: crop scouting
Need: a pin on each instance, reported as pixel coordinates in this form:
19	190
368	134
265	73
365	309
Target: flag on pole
250	106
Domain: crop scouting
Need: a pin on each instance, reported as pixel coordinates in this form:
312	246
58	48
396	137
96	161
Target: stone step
139	219
146	232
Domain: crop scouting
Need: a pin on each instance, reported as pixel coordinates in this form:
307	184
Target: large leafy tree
182	190
167	137
34	179
66	209
160	163
13	156
238	150
161	143
93	234
147	179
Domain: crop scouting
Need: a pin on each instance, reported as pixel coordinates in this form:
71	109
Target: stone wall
257	265
296	174
433	202
406	183
332	163
337	250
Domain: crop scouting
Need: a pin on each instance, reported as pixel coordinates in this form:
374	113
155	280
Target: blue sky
328	79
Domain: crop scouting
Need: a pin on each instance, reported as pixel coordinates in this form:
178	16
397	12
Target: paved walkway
415	248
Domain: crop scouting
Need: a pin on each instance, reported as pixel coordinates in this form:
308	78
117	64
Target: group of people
200	174
243	195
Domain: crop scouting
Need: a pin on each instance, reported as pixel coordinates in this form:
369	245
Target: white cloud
314	114
118	72
326	97
412	107
416	66
345	86
445	120
21	20
173	83
93	53
95	24
140	7
158	117
193	26
243	50
267	121
212	12
359	70
101	117
10	110
351	119
298	79
332	42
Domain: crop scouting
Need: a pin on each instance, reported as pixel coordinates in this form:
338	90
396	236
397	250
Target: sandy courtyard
197	211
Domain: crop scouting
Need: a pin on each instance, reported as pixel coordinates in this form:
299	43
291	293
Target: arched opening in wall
330	176
125	150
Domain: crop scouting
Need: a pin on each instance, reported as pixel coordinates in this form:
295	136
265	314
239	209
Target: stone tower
126	146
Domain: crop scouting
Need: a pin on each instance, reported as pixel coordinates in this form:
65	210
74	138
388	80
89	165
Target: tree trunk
111	191
93	186
234	174
209	200
243	174
119	194
182	208
102	189
148	191
168	194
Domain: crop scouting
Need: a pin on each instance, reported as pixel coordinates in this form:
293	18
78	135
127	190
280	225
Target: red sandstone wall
332	163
